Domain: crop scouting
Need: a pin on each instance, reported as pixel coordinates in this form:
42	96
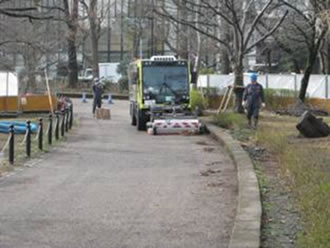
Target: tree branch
279	23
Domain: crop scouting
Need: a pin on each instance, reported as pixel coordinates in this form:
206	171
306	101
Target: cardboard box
103	114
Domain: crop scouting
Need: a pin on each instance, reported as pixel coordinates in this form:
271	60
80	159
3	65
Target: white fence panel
318	87
8	84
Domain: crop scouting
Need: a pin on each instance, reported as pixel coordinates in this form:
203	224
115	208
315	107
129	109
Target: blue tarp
19	127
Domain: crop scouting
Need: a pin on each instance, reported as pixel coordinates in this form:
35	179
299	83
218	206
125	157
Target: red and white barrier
174	126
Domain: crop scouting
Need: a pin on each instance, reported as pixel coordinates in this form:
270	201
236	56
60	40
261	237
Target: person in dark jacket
97	92
253	99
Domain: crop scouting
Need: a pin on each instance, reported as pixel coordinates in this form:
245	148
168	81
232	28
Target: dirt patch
214	185
299	108
202	143
209	172
214	163
208	149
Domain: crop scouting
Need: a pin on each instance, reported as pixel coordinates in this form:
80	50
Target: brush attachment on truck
173	121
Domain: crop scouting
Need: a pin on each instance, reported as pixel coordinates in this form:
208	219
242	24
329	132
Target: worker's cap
253	77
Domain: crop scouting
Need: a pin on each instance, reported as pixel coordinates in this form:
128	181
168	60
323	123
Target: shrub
230	120
279	98
123	84
206	71
197	101
210	91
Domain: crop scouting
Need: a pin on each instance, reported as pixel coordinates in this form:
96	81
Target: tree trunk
94	36
197	60
30	63
239	88
122	30
182	32
307	74
269	60
323	63
135	41
225	63
295	65
71	21
328	56
73	64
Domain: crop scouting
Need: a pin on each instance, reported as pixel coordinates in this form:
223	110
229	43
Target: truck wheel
141	123
133	120
133	116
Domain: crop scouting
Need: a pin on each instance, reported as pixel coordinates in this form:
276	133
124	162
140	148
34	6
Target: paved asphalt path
111	186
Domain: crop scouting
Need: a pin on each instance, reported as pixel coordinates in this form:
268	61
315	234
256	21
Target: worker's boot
249	123
255	123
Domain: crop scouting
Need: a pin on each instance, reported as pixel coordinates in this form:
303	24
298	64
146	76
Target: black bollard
57	127
67	120
63	123
50	130
11	144
28	139
40	138
71	115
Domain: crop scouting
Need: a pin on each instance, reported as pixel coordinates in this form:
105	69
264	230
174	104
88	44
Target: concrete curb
246	230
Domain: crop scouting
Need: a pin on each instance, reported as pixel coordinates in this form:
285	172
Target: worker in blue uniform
97	92
253	99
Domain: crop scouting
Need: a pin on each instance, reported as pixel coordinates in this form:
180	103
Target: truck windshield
165	80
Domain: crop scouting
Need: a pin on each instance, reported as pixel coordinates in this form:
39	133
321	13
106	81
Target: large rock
312	127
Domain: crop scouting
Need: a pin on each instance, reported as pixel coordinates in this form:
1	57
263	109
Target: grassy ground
294	176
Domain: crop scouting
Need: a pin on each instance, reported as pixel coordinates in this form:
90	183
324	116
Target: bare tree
31	12
325	51
95	17
242	17
71	19
309	28
26	41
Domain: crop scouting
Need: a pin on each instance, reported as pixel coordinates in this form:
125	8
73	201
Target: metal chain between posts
24	140
6	145
47	130
37	136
